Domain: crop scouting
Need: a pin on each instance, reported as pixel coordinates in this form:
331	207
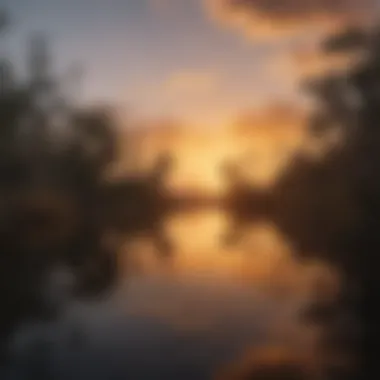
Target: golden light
261	141
199	160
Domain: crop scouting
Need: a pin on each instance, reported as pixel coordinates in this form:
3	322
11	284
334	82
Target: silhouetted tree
331	207
50	191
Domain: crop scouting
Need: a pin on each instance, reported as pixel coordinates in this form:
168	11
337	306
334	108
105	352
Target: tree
331	207
49	193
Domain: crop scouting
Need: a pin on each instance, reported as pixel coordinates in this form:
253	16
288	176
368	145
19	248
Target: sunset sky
201	62
198	60
166	59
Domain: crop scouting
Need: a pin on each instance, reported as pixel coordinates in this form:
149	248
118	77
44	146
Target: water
187	315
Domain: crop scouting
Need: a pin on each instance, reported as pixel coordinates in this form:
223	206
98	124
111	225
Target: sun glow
262	143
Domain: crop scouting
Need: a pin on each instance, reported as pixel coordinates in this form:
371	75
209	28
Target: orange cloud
267	138
263	18
293	66
274	121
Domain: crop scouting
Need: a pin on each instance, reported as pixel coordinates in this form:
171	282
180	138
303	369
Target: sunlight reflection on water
200	308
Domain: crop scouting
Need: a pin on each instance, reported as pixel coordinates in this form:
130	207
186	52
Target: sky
158	58
201	63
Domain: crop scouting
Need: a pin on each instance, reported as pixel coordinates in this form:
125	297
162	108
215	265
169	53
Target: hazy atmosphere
189	189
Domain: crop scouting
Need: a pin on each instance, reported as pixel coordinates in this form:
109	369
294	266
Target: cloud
264	18
191	83
274	127
277	118
269	137
303	62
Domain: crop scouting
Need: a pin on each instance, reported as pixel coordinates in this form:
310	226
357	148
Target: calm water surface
186	315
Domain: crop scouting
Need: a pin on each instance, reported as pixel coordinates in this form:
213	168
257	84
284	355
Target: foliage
330	208
52	160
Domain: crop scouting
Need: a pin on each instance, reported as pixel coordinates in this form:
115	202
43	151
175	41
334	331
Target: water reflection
208	304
